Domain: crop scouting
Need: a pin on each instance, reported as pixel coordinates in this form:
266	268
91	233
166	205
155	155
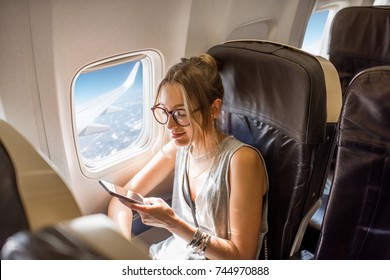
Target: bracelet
199	241
195	238
206	244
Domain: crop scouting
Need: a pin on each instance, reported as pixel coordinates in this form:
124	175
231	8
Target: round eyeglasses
179	115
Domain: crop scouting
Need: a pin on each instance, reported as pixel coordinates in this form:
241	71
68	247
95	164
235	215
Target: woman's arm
155	171
248	185
150	176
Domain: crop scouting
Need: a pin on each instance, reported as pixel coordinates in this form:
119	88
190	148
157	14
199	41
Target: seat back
360	38
33	192
275	100
356	224
13	218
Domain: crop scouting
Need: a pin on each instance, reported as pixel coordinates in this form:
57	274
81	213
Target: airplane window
381	3
109	109
2	115
315	31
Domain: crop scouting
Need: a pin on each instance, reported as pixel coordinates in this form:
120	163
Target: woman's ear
216	108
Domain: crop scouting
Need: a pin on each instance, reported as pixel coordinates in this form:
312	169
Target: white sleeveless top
211	204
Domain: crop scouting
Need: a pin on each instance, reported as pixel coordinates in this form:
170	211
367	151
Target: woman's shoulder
247	154
248	160
241	148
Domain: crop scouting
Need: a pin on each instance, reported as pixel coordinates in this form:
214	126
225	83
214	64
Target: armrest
100	233
88	237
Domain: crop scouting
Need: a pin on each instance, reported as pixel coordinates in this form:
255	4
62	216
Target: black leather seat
47	244
276	100
93	237
356	224
13	218
360	38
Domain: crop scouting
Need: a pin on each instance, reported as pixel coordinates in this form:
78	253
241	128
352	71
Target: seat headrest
269	77
362	32
360	39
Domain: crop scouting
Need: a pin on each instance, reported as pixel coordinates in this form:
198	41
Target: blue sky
92	84
315	28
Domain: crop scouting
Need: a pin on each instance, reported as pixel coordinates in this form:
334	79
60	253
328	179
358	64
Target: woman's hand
155	212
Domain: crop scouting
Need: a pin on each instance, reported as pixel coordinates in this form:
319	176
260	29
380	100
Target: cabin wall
45	43
18	82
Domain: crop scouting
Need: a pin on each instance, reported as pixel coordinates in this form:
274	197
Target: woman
219	204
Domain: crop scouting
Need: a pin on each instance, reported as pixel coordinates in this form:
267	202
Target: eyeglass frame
169	113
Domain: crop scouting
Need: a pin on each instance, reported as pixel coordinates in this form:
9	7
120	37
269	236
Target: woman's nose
171	123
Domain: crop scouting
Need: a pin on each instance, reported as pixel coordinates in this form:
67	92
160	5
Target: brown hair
201	84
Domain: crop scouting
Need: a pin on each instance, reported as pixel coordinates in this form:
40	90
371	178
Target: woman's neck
199	150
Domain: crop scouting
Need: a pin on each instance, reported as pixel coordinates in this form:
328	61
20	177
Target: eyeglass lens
180	116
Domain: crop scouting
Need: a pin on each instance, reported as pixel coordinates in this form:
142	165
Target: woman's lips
176	135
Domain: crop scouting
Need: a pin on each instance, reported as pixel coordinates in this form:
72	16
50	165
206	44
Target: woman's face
171	98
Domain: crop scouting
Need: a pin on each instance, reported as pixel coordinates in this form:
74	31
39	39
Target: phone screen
121	192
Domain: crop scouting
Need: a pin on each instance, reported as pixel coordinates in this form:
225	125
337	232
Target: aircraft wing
88	111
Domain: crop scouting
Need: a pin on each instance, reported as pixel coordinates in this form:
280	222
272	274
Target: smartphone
121	192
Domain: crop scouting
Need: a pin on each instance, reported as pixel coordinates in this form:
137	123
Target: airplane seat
356	224
32	193
48	243
15	218
276	100
45	196
334	103
359	40
93	237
